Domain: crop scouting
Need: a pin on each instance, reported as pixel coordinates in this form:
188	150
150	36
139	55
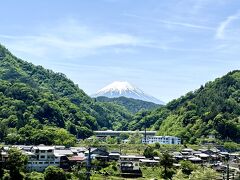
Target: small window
42	157
40	162
45	162
50	150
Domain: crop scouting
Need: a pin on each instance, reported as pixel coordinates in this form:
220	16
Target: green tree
203	174
13	138
110	140
1	165
232	146
187	167
149	152
124	136
157	145
34	176
166	161
3	130
16	163
180	176
53	172
135	138
63	137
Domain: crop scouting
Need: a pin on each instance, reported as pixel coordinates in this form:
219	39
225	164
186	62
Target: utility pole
228	171
89	164
145	132
120	148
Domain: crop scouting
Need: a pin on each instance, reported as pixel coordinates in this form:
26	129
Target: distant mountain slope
133	105
122	88
36	97
213	109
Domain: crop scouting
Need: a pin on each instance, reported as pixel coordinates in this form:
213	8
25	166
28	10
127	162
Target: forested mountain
133	105
34	101
213	109
40	106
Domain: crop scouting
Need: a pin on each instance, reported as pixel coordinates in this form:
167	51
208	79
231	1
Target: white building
40	157
162	140
130	162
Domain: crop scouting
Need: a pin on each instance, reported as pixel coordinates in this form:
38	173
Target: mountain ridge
37	102
133	105
213	109
34	99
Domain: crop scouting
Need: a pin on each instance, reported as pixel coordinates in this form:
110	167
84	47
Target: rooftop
44	147
76	158
132	156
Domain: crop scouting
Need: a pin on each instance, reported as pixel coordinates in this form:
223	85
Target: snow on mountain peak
119	86
124	88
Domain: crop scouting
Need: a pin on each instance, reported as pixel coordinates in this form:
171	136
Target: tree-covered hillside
40	106
133	105
34	99
213	109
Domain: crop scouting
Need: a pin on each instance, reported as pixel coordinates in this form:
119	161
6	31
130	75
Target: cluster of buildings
40	157
149	136
218	159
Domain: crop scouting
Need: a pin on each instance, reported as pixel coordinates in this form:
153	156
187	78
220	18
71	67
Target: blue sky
166	47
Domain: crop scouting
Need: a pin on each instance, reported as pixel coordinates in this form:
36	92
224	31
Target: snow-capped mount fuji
123	88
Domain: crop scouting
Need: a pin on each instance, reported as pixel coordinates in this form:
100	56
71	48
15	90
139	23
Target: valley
44	109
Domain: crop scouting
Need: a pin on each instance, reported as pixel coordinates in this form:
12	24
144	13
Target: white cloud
220	33
69	39
168	22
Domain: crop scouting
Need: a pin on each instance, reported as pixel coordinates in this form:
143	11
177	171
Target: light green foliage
81	174
187	167
132	105
148	118
115	115
180	176
152	172
124	136
111	140
213	109
166	161
111	170
34	176
78	172
203	174
197	174
62	137
6	175
150	152
16	163
231	146
53	172
135	138
33	98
